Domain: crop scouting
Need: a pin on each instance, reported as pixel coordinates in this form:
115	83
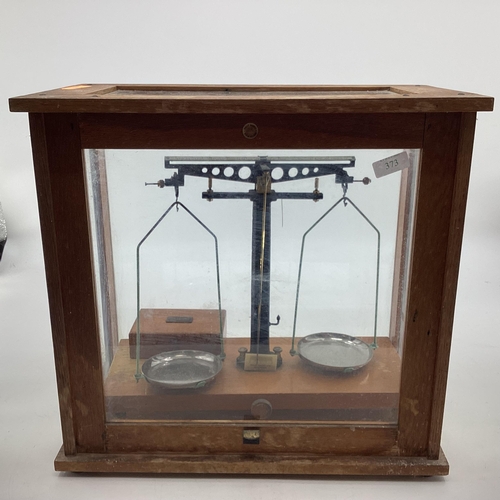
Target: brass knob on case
250	131
261	408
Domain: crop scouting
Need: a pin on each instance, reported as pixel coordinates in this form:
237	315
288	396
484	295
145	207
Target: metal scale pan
336	352
181	369
185	369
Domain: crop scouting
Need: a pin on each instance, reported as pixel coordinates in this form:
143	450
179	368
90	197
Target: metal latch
251	436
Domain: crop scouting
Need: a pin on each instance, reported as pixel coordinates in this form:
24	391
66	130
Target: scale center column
261	273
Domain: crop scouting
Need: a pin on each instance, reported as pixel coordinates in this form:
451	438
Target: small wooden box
170	329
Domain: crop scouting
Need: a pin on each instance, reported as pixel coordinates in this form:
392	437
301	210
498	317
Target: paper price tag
391	164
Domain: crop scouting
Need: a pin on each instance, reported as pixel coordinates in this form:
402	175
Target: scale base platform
296	391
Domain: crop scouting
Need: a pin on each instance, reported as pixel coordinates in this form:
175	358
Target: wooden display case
384	419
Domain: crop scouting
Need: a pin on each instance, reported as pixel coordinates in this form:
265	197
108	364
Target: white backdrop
46	45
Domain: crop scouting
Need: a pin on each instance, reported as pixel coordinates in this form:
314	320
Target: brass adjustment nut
240	360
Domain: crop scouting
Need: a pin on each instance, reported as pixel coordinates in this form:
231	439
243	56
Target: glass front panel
248	284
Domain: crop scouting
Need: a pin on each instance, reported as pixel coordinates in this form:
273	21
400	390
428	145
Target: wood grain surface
158	335
426	294
242	464
275	131
86	98
68	261
295	386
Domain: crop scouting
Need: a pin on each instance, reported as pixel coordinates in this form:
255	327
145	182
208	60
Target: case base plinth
137	463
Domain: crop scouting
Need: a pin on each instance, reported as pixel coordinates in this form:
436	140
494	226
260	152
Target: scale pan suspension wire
176	204
346	201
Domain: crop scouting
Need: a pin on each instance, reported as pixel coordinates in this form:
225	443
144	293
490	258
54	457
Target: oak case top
273	99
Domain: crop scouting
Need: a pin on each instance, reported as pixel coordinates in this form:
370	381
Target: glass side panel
236	285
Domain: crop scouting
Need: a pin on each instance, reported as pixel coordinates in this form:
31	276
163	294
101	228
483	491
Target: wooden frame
439	122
